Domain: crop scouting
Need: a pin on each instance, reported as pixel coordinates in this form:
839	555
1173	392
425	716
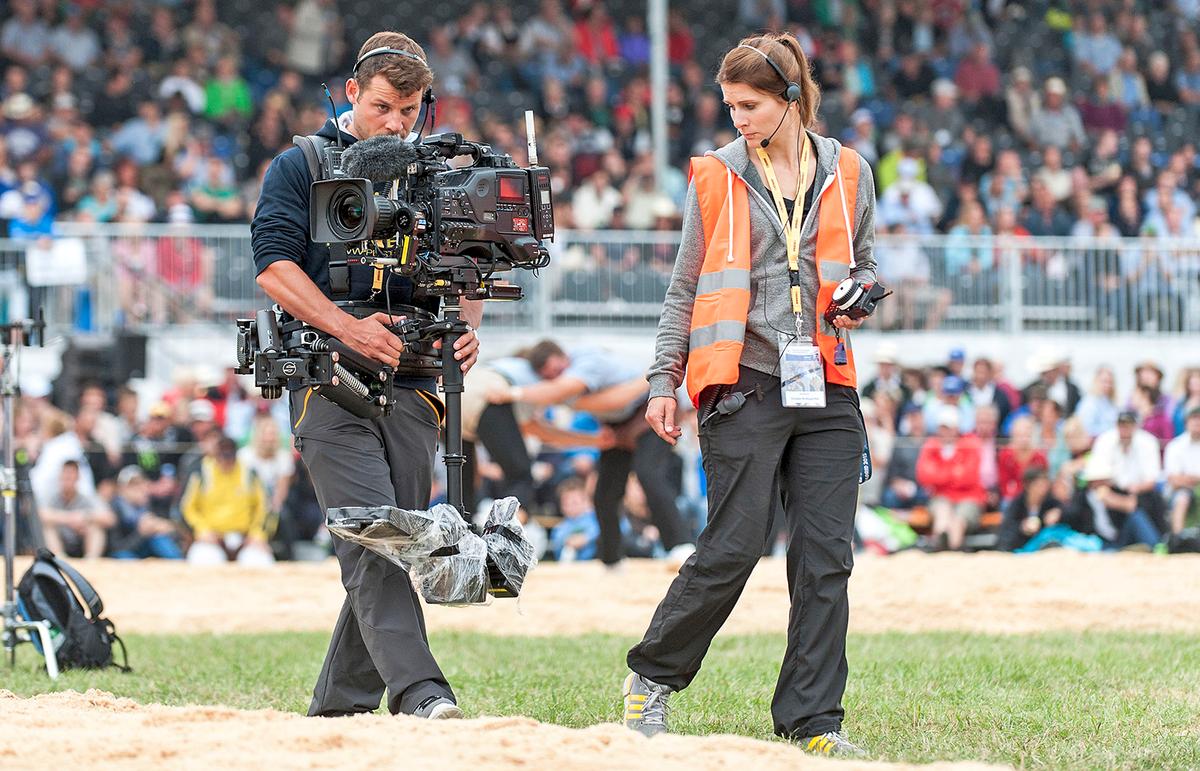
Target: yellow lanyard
791	231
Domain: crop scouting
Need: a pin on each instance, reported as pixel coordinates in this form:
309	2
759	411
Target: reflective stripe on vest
722	303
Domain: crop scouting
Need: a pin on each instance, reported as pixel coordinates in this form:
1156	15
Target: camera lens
347	211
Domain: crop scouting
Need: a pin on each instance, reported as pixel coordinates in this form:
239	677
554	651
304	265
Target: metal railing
142	277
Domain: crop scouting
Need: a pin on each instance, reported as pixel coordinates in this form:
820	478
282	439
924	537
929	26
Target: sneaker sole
446	712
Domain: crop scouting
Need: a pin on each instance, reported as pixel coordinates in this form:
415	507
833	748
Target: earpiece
792	91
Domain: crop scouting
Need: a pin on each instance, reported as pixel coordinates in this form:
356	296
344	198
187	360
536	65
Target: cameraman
379	641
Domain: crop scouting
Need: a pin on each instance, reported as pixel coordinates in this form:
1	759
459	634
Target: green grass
1051	700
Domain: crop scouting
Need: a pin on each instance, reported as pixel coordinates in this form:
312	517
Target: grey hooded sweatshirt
770	304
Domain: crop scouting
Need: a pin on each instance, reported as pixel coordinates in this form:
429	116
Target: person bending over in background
586	372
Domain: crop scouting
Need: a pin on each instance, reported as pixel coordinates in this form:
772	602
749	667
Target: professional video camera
448	229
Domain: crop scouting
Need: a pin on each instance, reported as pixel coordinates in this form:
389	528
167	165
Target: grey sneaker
831	743
438	708
646	705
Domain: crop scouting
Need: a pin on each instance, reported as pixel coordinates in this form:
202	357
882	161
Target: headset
428	97
791	92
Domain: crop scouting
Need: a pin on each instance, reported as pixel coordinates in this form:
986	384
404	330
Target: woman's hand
660	414
845	322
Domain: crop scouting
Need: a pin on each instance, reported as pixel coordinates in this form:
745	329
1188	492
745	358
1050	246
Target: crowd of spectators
1042	118
961	450
980	118
961	456
204	472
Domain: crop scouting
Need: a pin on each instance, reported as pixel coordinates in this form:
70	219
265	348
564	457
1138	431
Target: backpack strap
89	595
311	146
112	632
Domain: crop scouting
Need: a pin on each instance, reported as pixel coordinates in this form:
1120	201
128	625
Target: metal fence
102	278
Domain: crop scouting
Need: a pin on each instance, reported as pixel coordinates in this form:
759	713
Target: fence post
1013	285
543	293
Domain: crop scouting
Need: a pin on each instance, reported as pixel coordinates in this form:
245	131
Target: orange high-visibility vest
722	302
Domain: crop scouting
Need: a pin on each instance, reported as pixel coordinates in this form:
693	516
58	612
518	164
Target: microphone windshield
379	159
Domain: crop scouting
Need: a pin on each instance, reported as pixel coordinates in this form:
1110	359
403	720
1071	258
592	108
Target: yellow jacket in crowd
217	502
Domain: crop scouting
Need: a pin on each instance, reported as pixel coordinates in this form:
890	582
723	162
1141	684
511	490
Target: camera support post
449	329
16	630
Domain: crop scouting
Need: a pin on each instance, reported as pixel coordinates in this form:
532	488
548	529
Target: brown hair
571	485
541	352
742	66
402	73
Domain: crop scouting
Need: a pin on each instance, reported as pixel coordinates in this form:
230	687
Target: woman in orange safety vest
774	222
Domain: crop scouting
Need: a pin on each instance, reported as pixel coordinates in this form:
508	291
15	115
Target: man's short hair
1033	474
402	73
541	352
226	448
571	485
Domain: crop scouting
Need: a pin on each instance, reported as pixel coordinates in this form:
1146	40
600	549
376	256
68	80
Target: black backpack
83	638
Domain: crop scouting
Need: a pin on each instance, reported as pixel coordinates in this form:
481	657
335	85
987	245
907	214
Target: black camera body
448	229
850	298
402	208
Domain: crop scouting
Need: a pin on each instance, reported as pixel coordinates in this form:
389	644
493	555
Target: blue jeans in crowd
893	501
1138	528
160	546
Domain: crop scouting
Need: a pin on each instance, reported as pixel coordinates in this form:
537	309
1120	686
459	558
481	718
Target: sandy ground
997	593
908	592
156	737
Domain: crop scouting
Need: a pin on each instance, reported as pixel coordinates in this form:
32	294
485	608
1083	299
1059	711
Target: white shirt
1125	466
268	470
44	475
592	208
190	90
1182	456
985	395
918	209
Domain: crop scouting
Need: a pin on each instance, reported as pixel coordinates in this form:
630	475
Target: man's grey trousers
379	641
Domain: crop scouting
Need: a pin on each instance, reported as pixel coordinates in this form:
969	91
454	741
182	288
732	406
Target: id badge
802	376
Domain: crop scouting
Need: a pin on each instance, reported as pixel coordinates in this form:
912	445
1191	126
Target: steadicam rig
282	352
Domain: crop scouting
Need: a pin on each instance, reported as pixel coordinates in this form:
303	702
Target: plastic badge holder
447	562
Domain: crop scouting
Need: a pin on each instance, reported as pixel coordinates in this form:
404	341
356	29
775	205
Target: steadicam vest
722	302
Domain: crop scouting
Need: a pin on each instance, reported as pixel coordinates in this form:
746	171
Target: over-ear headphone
792	91
427	97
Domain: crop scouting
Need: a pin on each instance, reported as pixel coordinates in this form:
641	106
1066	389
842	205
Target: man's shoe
831	743
646	705
438	708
